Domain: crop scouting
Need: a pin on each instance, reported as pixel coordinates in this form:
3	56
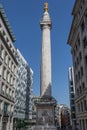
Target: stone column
11	124
8	124
0	122
45	79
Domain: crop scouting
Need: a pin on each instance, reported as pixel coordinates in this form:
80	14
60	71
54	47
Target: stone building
78	42
63	116
72	97
23	90
8	65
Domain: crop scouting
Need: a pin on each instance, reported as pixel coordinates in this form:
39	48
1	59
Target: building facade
23	90
63	116
72	97
8	65
78	42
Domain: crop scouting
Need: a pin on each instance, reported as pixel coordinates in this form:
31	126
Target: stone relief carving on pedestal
45	117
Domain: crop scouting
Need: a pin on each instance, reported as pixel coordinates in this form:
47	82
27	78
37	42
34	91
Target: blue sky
24	17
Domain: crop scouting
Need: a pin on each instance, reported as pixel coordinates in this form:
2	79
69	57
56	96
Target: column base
45	113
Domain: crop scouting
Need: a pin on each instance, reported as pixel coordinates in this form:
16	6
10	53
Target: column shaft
45	82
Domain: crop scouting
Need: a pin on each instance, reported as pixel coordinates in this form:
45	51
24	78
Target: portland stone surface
45	105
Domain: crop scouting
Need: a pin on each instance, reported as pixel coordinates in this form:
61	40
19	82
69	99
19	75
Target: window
9	62
85	42
85	105
10	92
11	108
72	89
4	72
13	94
77	61
79	75
81	69
5	108
76	78
14	69
78	41
7	90
73	108
7	40
71	82
80	89
76	48
83	1
82	26
81	7
81	106
72	95
3	87
78	107
83	85
86	60
6	58
8	76
0	25
2	52
12	66
73	116
10	46
4	33
72	102
74	52
86	18
77	92
80	56
75	65
0	69
11	80
0	104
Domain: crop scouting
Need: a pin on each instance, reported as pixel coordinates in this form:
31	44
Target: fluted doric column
45	74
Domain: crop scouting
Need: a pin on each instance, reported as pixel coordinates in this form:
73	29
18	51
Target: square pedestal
45	117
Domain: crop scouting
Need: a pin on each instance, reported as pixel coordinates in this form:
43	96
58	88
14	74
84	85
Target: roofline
74	8
70	32
6	22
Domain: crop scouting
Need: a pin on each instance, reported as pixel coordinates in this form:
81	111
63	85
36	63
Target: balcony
5	119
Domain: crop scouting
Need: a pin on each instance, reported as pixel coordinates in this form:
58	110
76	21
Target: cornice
6	23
